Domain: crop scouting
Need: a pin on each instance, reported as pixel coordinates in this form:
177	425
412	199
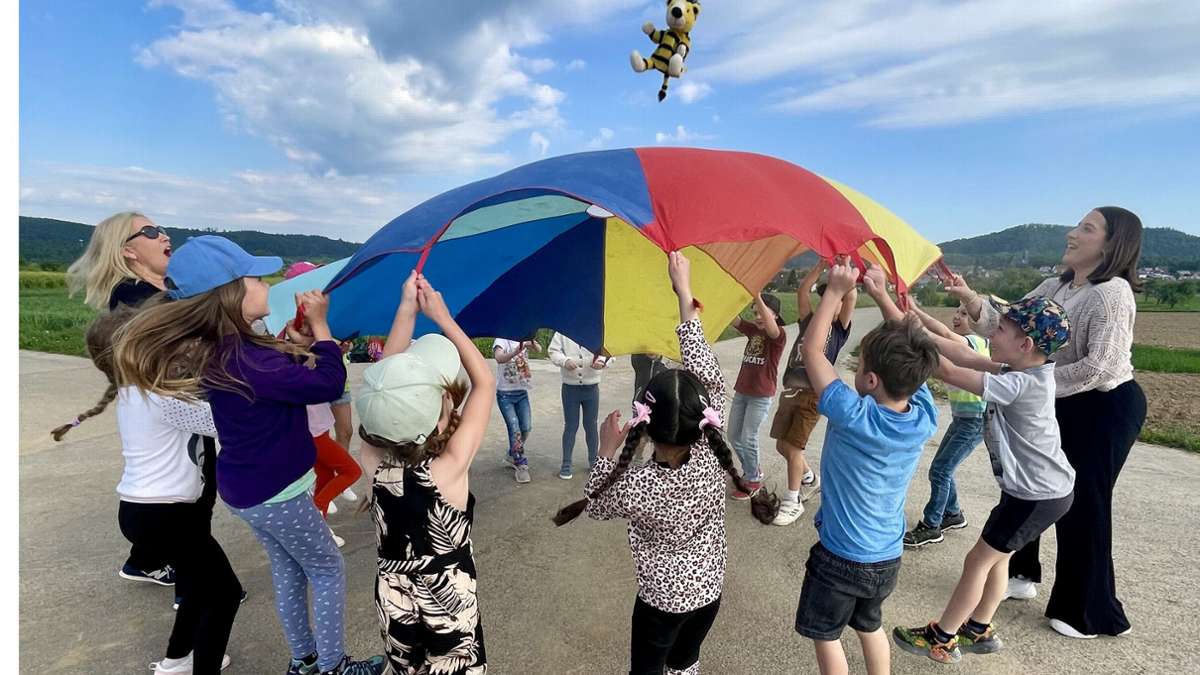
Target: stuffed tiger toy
674	43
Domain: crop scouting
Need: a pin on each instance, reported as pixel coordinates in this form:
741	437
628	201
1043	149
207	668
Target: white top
515	374
1022	437
1098	354
563	349
320	418
160	441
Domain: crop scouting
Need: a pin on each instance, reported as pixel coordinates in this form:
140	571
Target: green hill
1035	245
50	242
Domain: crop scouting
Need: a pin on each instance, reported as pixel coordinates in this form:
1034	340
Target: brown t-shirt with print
760	361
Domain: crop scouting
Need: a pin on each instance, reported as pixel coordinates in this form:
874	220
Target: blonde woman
124	264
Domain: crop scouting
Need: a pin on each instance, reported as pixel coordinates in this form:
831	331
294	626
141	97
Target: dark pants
668	639
148	557
1098	430
645	367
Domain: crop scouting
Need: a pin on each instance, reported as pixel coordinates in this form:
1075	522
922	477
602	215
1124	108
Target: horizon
983	113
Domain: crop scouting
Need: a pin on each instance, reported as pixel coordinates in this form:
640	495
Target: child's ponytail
763	504
632	442
99	341
109	395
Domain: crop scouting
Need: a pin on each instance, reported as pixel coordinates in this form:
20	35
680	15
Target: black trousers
148	557
645	367
1098	430
668	639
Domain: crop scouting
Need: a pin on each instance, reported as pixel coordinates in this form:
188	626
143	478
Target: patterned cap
1042	319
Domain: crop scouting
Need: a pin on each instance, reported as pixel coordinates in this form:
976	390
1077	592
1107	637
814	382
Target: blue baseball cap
206	262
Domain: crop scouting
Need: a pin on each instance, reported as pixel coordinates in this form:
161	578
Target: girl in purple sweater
202	345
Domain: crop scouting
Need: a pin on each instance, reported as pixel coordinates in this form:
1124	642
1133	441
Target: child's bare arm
934	326
821	372
771	326
804	291
875	283
966	379
406	317
961	355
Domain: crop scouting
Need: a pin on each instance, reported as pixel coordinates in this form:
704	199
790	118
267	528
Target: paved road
558	600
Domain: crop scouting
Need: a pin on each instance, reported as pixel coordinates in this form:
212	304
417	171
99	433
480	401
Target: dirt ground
1161	329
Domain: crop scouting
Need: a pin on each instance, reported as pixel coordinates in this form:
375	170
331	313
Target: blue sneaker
162	577
305	666
177	599
371	666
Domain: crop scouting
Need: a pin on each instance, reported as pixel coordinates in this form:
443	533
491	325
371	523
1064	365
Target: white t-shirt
1022	437
514	375
320	419
161	444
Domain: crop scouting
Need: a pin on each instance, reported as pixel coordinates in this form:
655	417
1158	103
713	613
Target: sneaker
807	490
566	474
331	510
740	496
954	521
177	599
507	460
1067	630
788	512
337	540
522	473
305	666
1020	588
982	643
184	667
162	577
922	534
922	641
349	495
371	666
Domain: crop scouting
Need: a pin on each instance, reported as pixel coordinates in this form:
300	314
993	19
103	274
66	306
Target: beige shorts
796	417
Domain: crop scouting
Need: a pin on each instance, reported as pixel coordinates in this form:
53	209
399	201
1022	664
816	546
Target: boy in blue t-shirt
872	444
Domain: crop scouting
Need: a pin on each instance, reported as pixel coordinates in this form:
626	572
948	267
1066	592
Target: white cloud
601	139
929	63
681	136
691	91
576	64
539	143
367	87
350	208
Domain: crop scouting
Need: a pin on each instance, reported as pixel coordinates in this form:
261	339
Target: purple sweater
265	444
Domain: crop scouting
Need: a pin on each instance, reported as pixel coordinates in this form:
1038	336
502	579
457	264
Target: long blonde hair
172	349
102	266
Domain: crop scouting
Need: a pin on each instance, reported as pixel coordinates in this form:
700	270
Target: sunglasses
149	232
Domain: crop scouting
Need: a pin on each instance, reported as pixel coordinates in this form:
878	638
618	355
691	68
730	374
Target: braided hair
99	339
678	399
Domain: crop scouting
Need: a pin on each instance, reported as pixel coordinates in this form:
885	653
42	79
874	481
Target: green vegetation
1171	436
1035	245
1166	359
52	322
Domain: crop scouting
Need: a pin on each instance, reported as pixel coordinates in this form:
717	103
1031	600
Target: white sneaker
349	495
1020	588
1067	630
789	511
331	510
184	667
336	539
522	473
807	490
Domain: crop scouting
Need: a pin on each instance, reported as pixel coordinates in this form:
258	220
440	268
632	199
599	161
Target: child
343	427
755	387
797	413
258	388
419	448
675	504
581	371
942	511
335	469
513	382
872	444
167	491
1036	481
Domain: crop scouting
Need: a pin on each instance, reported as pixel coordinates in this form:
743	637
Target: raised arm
768	317
960	354
966	379
698	357
934	326
505	355
804	291
820	371
875	283
406	316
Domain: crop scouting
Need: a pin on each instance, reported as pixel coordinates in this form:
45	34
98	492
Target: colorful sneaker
1020	588
982	643
305	666
371	666
953	521
807	490
162	577
788	512
922	534
922	641
753	485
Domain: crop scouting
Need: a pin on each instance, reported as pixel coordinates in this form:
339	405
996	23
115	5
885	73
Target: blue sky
332	118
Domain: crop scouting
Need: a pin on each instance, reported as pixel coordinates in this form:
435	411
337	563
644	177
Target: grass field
1166	360
52	322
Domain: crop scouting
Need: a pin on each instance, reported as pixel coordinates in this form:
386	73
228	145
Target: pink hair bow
711	419
642	416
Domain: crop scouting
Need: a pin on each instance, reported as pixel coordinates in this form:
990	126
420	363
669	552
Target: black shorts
1016	522
839	593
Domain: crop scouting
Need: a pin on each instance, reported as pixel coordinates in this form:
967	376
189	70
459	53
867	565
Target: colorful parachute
578	244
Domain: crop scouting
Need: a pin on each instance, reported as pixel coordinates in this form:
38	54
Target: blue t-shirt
867	462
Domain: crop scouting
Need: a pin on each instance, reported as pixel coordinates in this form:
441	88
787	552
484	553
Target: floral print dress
425	593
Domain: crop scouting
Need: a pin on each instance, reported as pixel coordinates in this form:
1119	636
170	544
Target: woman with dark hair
1100	410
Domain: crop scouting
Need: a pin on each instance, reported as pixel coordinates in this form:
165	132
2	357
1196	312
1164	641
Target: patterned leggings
302	550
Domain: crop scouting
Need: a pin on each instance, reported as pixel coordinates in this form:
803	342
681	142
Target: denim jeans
514	408
961	438
577	398
746	417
